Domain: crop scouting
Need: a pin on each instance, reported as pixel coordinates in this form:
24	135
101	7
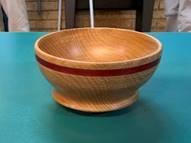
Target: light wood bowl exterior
97	70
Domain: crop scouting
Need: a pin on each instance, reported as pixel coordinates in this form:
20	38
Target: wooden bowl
97	70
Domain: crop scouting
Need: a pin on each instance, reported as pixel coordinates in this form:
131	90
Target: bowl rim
64	60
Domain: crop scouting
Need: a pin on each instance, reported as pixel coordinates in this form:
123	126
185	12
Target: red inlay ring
91	72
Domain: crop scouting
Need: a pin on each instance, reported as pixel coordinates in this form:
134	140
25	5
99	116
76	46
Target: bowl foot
104	106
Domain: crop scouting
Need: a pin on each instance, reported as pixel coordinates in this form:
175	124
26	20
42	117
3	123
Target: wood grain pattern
93	105
87	72
92	46
99	49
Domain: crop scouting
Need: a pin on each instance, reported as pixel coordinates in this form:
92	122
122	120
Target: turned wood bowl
99	69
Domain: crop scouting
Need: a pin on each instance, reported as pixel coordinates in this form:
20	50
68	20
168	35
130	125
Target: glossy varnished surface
105	87
162	114
98	45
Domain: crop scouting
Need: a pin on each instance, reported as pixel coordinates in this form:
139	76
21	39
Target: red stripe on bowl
105	72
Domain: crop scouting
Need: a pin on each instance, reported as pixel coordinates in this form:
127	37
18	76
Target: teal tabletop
28	114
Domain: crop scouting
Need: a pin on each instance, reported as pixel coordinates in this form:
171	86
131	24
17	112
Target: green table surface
28	113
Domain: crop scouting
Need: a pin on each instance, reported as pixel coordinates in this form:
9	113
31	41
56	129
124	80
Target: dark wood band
91	72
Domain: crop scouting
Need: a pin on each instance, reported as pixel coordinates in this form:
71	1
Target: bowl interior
98	45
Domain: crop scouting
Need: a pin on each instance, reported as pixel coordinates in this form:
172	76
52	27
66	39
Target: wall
47	21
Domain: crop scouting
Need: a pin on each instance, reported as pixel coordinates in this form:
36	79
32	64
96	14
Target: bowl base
94	107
